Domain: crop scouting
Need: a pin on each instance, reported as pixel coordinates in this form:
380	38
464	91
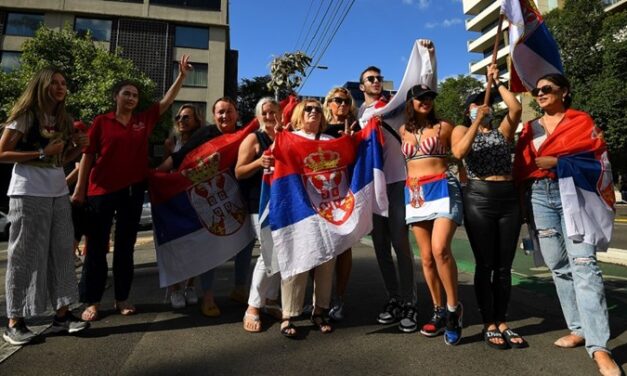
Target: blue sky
375	32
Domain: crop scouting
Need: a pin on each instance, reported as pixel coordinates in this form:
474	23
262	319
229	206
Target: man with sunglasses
391	231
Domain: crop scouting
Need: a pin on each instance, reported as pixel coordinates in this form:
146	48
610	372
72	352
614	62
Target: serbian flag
427	196
199	217
322	197
421	69
584	173
534	52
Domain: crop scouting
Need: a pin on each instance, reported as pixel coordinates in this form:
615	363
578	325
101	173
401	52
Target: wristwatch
42	155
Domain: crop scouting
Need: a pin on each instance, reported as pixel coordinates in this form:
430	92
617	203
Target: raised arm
514	109
170	95
463	137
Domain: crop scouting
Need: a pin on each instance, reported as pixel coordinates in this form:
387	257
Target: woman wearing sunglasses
187	121
308	122
491	207
433	207
339	112
564	137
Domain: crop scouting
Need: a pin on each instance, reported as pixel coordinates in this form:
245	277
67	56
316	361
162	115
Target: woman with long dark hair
433	208
112	178
562	140
491	207
38	138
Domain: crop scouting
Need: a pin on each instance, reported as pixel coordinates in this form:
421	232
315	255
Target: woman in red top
112	180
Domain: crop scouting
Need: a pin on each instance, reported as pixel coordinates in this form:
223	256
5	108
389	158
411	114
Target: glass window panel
100	29
23	24
193	37
199	4
197	77
9	60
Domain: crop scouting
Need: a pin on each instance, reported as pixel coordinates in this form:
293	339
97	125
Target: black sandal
488	335
321	321
289	330
509	335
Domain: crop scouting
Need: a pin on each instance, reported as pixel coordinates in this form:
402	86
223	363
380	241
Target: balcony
486	40
479	67
484	18
475	6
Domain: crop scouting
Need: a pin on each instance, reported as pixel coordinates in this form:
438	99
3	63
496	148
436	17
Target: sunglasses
318	109
372	79
546	89
181	118
340	101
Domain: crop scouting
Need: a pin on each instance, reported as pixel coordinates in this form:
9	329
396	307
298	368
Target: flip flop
252	323
124	308
288	330
488	335
321	323
509	335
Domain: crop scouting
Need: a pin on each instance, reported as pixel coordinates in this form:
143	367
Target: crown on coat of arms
205	169
322	160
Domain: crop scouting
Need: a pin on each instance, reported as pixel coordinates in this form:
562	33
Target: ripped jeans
577	277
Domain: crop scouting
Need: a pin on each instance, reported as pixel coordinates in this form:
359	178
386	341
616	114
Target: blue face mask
486	119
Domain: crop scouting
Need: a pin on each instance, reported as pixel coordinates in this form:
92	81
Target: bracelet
499	83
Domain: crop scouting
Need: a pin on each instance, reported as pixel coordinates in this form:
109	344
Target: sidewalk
160	341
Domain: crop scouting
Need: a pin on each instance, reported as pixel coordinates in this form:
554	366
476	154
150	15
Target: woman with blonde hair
340	113
38	138
308	122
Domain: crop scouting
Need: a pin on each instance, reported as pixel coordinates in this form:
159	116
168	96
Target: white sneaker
177	298
190	295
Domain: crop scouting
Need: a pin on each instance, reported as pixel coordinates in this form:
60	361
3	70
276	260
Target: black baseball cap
419	90
478	98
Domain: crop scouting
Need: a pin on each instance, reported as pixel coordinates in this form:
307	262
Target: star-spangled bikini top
430	147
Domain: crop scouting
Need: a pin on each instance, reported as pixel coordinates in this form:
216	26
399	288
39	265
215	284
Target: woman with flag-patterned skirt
556	155
433	207
491	207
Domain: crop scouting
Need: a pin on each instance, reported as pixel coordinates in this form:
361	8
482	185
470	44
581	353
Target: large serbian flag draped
584	173
322	196
199	217
533	50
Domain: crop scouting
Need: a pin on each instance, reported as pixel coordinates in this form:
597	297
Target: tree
91	72
594	63
287	72
452	93
249	92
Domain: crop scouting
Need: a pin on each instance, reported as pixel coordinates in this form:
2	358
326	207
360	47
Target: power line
325	33
319	25
302	26
312	23
327	45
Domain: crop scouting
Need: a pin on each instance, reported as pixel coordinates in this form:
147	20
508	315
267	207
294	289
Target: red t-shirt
121	150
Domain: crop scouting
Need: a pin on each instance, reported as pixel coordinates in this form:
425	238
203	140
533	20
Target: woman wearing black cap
433	207
492	212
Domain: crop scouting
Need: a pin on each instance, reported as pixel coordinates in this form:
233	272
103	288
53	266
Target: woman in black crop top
251	160
491	207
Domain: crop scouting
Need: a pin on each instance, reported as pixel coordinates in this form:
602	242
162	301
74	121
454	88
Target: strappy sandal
124	308
252	323
321	322
490	335
510	335
288	330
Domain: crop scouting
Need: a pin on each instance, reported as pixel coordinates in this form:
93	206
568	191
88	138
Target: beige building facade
153	33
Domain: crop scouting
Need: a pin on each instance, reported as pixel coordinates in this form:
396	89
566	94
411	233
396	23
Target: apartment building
153	33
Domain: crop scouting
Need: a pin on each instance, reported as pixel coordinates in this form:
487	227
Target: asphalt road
160	341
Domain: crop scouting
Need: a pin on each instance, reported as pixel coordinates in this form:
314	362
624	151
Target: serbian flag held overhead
322	196
200	220
533	50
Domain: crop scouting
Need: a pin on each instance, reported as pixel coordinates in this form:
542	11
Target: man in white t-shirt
391	231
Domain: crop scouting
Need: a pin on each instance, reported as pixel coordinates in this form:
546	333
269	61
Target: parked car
4	226
145	221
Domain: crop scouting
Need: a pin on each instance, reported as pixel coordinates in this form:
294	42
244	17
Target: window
100	29
9	60
198	4
193	37
23	24
197	77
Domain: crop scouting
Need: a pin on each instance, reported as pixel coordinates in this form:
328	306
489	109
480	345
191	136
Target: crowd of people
498	195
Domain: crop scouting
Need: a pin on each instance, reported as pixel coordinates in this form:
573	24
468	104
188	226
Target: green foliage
452	93
249	92
90	70
594	62
287	72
